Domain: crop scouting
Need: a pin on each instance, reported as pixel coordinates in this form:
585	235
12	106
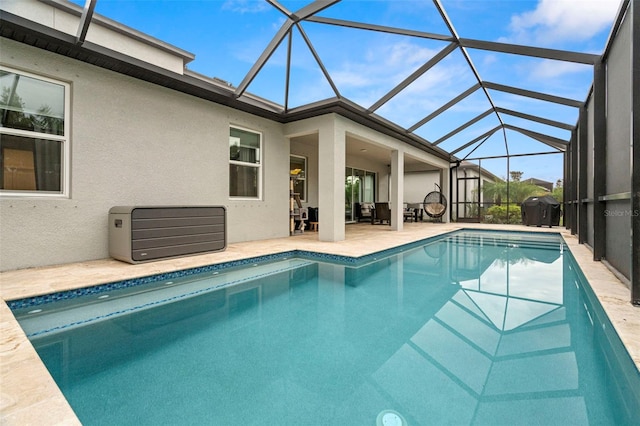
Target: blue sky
227	36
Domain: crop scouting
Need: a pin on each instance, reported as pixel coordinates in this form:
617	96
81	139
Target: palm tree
558	191
495	191
518	191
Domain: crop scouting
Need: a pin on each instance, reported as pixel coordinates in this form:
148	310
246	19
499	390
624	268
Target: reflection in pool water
474	328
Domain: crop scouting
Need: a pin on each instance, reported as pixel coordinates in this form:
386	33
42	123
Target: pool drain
390	418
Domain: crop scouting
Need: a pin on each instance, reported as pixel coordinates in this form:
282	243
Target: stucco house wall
418	184
310	152
135	143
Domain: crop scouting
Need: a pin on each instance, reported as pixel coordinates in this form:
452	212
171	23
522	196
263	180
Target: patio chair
313	219
364	211
382	213
409	213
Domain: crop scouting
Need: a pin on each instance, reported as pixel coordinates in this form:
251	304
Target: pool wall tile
34	301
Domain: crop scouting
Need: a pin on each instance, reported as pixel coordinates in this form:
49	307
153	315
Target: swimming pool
471	328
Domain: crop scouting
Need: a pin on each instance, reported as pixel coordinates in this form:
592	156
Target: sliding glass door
360	187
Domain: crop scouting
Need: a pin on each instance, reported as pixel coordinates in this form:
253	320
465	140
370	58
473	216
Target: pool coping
29	394
354	261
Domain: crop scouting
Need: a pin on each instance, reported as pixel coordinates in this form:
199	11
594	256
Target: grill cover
540	211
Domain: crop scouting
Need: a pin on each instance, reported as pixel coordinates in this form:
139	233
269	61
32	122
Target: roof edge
24	31
74	9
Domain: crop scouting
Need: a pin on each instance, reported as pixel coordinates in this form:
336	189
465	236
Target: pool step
551	242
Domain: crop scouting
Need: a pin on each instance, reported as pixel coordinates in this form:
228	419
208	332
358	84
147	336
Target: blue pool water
472	328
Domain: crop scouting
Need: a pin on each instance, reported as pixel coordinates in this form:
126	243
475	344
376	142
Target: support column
445	185
568	187
635	153
566	192
582	175
331	166
397	190
453	185
574	183
600	163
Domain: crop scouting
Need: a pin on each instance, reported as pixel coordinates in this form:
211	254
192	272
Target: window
298	169
34	145
244	163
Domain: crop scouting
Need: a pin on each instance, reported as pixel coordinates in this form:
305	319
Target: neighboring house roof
541	183
467	165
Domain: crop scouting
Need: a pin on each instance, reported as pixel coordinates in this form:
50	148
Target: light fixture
390	418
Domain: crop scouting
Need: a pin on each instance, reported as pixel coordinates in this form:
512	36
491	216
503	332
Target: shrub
498	214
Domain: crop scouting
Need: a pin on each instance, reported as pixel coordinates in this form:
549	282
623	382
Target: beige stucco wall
418	184
134	143
310	152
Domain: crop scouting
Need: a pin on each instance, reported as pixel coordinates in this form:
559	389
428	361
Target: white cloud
405	53
429	92
350	78
547	69
367	75
439	78
383	65
563	20
489	59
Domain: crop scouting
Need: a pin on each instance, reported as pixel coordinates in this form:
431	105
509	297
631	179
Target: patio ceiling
356	147
494	110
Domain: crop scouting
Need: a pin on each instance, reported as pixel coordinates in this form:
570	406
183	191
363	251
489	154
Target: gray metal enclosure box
143	234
